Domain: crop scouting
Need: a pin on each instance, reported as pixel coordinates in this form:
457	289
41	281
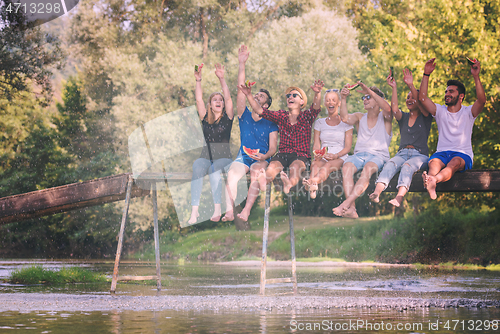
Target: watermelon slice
320	152
249	84
250	151
470	61
197	68
351	87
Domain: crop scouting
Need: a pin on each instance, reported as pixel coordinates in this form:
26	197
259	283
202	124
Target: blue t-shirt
255	134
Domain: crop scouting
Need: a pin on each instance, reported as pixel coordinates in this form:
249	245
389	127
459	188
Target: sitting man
255	133
372	146
455	122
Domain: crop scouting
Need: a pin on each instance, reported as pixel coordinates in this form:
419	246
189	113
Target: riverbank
29	302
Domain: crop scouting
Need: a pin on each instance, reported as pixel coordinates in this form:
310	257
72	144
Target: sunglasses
332	90
294	95
366	97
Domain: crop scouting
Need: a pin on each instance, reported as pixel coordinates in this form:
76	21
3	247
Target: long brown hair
210	114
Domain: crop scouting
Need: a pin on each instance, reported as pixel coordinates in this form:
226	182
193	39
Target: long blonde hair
210	114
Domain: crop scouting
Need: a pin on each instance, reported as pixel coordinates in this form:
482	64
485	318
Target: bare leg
435	166
236	172
456	164
348	171
396	201
374	196
274	168
253	190
347	208
296	168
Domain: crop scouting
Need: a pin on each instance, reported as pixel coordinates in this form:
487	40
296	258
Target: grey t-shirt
416	135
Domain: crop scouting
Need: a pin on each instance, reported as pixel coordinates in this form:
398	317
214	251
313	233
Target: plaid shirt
293	138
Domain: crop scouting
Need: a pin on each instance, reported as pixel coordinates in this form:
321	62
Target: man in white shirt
455	123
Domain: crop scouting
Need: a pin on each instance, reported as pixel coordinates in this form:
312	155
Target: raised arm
317	87
347	118
408	79
394	98
219	72
198	93
386	108
247	91
241	100
478	106
425	101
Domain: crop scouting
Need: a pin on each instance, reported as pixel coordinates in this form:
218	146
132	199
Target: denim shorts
361	158
446	156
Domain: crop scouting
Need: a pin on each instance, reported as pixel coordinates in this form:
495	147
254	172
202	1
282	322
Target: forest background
72	91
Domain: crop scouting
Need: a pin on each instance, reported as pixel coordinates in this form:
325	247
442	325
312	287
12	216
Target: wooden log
66	198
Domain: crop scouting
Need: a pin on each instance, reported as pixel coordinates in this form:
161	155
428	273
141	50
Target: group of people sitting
259	128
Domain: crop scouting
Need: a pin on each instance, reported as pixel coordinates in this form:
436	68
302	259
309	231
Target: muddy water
208	298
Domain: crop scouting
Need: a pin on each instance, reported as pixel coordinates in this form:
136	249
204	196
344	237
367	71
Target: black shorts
286	159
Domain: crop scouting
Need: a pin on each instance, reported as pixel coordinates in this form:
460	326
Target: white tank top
375	140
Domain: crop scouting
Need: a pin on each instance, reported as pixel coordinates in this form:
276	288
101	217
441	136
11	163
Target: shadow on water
203	280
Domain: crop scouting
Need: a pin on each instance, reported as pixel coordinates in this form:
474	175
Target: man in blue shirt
256	133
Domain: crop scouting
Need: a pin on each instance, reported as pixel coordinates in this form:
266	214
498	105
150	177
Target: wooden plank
65	198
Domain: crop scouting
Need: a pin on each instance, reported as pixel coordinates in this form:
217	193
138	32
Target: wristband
427	75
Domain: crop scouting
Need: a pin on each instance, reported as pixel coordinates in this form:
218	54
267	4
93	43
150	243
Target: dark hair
377	91
460	86
269	99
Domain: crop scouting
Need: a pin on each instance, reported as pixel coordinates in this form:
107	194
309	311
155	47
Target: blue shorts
360	159
446	156
246	160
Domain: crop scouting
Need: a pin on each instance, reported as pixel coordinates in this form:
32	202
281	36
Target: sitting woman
333	134
217	122
414	127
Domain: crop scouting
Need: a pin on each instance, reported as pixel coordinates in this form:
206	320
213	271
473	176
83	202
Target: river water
213	298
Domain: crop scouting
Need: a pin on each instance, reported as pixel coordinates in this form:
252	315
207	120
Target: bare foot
228	217
286	182
339	210
216	216
305	182
431	186
396	201
243	215
262	179
313	189
350	213
374	197
193	219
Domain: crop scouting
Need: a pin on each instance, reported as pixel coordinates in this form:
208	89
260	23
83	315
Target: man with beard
455	122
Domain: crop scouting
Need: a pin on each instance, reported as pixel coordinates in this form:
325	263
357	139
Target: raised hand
197	73
243	54
364	88
219	71
430	65
407	77
245	89
390	81
476	68
345	92
317	86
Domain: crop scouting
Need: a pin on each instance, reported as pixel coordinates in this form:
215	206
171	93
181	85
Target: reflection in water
264	322
195	279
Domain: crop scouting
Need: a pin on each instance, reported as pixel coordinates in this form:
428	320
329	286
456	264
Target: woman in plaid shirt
295	134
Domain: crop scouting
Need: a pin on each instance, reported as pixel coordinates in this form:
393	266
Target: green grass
40	275
450	237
